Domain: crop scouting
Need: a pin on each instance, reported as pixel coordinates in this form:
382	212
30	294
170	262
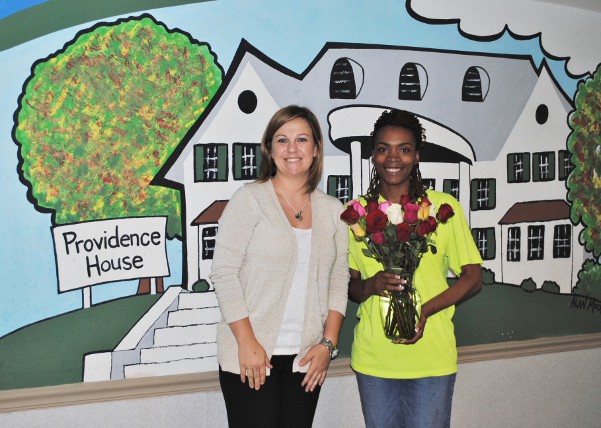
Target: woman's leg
247	407
297	406
411	403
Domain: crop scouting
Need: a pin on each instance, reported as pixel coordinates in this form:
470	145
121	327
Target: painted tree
584	145
584	182
97	120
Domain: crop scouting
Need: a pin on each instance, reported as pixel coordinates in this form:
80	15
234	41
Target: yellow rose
358	231
423	213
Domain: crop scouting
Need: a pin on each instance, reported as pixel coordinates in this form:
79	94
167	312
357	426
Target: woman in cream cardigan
280	273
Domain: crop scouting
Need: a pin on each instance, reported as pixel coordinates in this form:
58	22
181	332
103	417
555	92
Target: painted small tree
97	119
584	182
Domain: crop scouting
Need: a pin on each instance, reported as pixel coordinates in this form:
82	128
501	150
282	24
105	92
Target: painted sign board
97	252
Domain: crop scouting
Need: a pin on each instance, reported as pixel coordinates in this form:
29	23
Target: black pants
280	402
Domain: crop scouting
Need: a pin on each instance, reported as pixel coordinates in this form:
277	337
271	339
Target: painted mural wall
124	130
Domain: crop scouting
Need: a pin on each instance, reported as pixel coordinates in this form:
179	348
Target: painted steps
186	344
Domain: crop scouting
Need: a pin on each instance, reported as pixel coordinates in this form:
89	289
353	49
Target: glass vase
400	310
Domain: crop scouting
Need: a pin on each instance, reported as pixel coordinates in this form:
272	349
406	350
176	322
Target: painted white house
496	127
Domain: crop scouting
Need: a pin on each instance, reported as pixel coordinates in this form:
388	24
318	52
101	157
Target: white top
289	338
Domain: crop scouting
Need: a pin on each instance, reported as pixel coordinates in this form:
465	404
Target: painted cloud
572	35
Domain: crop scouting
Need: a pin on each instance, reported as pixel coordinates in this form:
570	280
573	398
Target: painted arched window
346	79
413	81
475	84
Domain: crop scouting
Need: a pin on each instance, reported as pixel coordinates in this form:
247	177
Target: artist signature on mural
585	304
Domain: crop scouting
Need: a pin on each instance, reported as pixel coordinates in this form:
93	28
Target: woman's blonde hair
281	117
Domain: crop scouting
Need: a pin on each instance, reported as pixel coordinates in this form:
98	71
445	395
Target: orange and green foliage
97	120
585	148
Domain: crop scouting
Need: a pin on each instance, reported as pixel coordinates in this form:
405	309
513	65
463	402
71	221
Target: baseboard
91	392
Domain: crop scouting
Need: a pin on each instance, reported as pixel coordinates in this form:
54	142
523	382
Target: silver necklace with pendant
299	214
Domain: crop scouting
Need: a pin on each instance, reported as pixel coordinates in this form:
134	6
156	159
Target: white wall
548	390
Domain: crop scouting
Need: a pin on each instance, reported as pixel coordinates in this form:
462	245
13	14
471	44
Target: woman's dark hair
281	117
408	121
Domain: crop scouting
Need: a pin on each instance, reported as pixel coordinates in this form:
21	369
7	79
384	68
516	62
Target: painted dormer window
476	83
346	79
413	81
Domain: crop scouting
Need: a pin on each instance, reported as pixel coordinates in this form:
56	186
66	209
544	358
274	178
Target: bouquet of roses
397	235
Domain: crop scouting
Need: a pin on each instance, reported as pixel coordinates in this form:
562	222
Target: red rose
375	221
405	199
411	213
433	223
403	232
423	228
444	213
372	204
378	238
350	215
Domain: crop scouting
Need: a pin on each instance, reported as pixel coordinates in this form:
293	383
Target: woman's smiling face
394	156
293	148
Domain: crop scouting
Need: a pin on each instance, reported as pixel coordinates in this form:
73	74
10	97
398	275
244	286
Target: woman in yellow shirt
409	384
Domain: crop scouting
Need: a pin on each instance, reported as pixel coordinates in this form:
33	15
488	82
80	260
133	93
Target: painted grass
503	313
50	352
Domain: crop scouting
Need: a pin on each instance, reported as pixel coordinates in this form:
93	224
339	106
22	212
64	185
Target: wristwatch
331	347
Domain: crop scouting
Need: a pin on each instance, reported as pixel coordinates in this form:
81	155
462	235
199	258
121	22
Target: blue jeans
409	403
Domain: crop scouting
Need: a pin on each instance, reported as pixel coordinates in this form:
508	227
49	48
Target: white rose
395	214
433	210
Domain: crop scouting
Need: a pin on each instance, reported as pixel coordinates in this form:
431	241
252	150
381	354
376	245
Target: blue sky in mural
8	7
289	34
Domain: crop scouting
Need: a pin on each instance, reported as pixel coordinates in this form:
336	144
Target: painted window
246	160
429	183
451	187
411	87
483	194
564	166
514	235
210	162
518	167
543	166
208	242
342	80
562	241
536	242
485	242
341	187
476	83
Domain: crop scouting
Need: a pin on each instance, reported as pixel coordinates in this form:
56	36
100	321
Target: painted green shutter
259	159
474	195
510	168
332	185
491	244
237	161
492	193
222	162
552	166
198	163
536	167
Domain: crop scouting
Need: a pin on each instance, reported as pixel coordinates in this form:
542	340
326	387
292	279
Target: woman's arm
252	356
318	356
236	226
360	290
468	285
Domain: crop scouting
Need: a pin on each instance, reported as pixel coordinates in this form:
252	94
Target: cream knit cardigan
254	263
